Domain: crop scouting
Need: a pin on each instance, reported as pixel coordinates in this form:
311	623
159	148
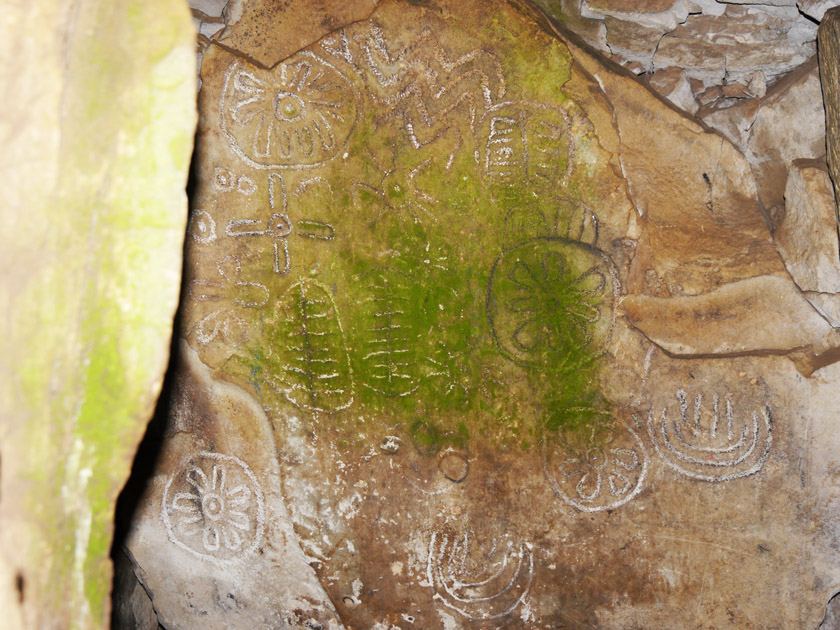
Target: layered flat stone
482	333
739	42
807	236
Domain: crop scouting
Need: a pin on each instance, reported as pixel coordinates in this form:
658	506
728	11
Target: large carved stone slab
436	254
97	119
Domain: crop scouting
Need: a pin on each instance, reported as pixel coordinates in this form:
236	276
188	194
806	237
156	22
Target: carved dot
288	107
212	506
454	467
223	179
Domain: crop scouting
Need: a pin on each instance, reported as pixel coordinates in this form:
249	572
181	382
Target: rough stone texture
703	227
789	124
739	42
815	8
764	313
829	36
270	30
133	608
97	133
712	41
807	236
674	85
206	509
440	263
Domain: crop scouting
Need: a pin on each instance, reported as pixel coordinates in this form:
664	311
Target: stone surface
440	264
270	30
674	85
694	192
763	130
97	128
133	608
222	515
738	43
710	40
763	313
788	125
815	8
807	236
829	38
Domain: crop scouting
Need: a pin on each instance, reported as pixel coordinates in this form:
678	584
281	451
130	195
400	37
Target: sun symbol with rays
299	113
396	193
213	507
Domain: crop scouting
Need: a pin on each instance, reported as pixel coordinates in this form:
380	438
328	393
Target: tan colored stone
738	43
97	119
270	30
673	84
632	41
763	314
694	192
422	302
789	124
631	6
807	236
214	508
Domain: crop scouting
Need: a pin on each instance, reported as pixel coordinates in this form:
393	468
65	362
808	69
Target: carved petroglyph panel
536	281
479	586
429	297
213	507
526	141
316	372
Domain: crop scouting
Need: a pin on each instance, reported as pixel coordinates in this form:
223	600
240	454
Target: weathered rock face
480	333
97	122
713	42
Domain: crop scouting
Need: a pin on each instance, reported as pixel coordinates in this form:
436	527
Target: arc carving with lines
479	586
298	114
712	443
314	369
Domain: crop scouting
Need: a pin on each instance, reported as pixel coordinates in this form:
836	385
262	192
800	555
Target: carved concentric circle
213	507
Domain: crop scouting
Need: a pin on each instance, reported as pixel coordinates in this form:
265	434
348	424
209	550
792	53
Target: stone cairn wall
501	315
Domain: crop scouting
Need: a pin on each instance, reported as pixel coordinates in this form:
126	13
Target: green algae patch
90	321
440	272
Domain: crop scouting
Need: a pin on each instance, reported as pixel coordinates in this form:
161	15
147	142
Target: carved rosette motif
213	508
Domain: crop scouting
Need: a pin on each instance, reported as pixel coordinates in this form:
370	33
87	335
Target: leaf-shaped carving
315	373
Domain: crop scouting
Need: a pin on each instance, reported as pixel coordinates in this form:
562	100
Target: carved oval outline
491	306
